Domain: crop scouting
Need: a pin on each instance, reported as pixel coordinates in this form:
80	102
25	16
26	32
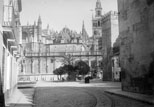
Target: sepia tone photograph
76	53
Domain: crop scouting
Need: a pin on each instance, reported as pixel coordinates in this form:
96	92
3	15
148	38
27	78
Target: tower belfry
97	25
98	9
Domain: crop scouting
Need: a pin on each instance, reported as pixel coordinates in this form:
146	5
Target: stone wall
42	65
136	24
106	42
114	27
110	31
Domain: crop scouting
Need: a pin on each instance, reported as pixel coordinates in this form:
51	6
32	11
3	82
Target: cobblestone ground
126	102
81	97
69	97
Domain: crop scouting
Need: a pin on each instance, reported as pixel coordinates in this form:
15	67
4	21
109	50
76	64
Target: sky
63	13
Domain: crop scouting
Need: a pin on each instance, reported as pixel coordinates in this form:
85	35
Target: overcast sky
61	13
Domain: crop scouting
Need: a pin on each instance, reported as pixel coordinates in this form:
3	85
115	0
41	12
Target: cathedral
43	49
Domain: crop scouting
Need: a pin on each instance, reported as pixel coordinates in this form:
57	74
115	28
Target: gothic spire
48	26
39	19
84	33
83	25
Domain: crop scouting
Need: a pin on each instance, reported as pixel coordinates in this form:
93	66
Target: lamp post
39	59
32	65
46	60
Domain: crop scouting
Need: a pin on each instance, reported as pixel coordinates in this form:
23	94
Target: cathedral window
99	24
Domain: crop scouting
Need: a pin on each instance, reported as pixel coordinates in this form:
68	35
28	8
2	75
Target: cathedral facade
43	49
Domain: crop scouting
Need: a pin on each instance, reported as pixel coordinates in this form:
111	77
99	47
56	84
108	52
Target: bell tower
97	21
98	9
97	26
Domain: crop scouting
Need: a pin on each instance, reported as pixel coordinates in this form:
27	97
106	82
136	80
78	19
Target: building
110	32
10	47
44	49
105	31
96	26
116	69
136	24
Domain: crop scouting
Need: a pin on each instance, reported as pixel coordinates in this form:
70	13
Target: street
74	94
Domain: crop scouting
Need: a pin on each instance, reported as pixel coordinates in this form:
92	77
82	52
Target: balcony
11	23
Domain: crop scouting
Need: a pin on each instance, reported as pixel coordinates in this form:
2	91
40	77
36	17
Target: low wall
37	77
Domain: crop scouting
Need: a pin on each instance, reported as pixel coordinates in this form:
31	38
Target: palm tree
67	60
68	66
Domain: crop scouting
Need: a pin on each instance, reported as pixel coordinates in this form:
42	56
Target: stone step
19	105
21	98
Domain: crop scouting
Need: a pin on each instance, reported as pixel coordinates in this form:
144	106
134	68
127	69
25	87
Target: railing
37	77
60	54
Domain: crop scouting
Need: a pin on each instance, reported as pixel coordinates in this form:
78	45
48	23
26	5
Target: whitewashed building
10	48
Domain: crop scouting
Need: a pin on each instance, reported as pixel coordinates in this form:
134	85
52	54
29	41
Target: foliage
82	68
59	71
69	68
68	60
71	71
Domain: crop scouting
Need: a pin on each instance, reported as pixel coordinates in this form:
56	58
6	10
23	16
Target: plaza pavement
111	87
20	98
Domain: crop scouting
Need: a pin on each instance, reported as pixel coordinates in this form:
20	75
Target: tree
82	68
59	71
67	60
71	71
68	68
